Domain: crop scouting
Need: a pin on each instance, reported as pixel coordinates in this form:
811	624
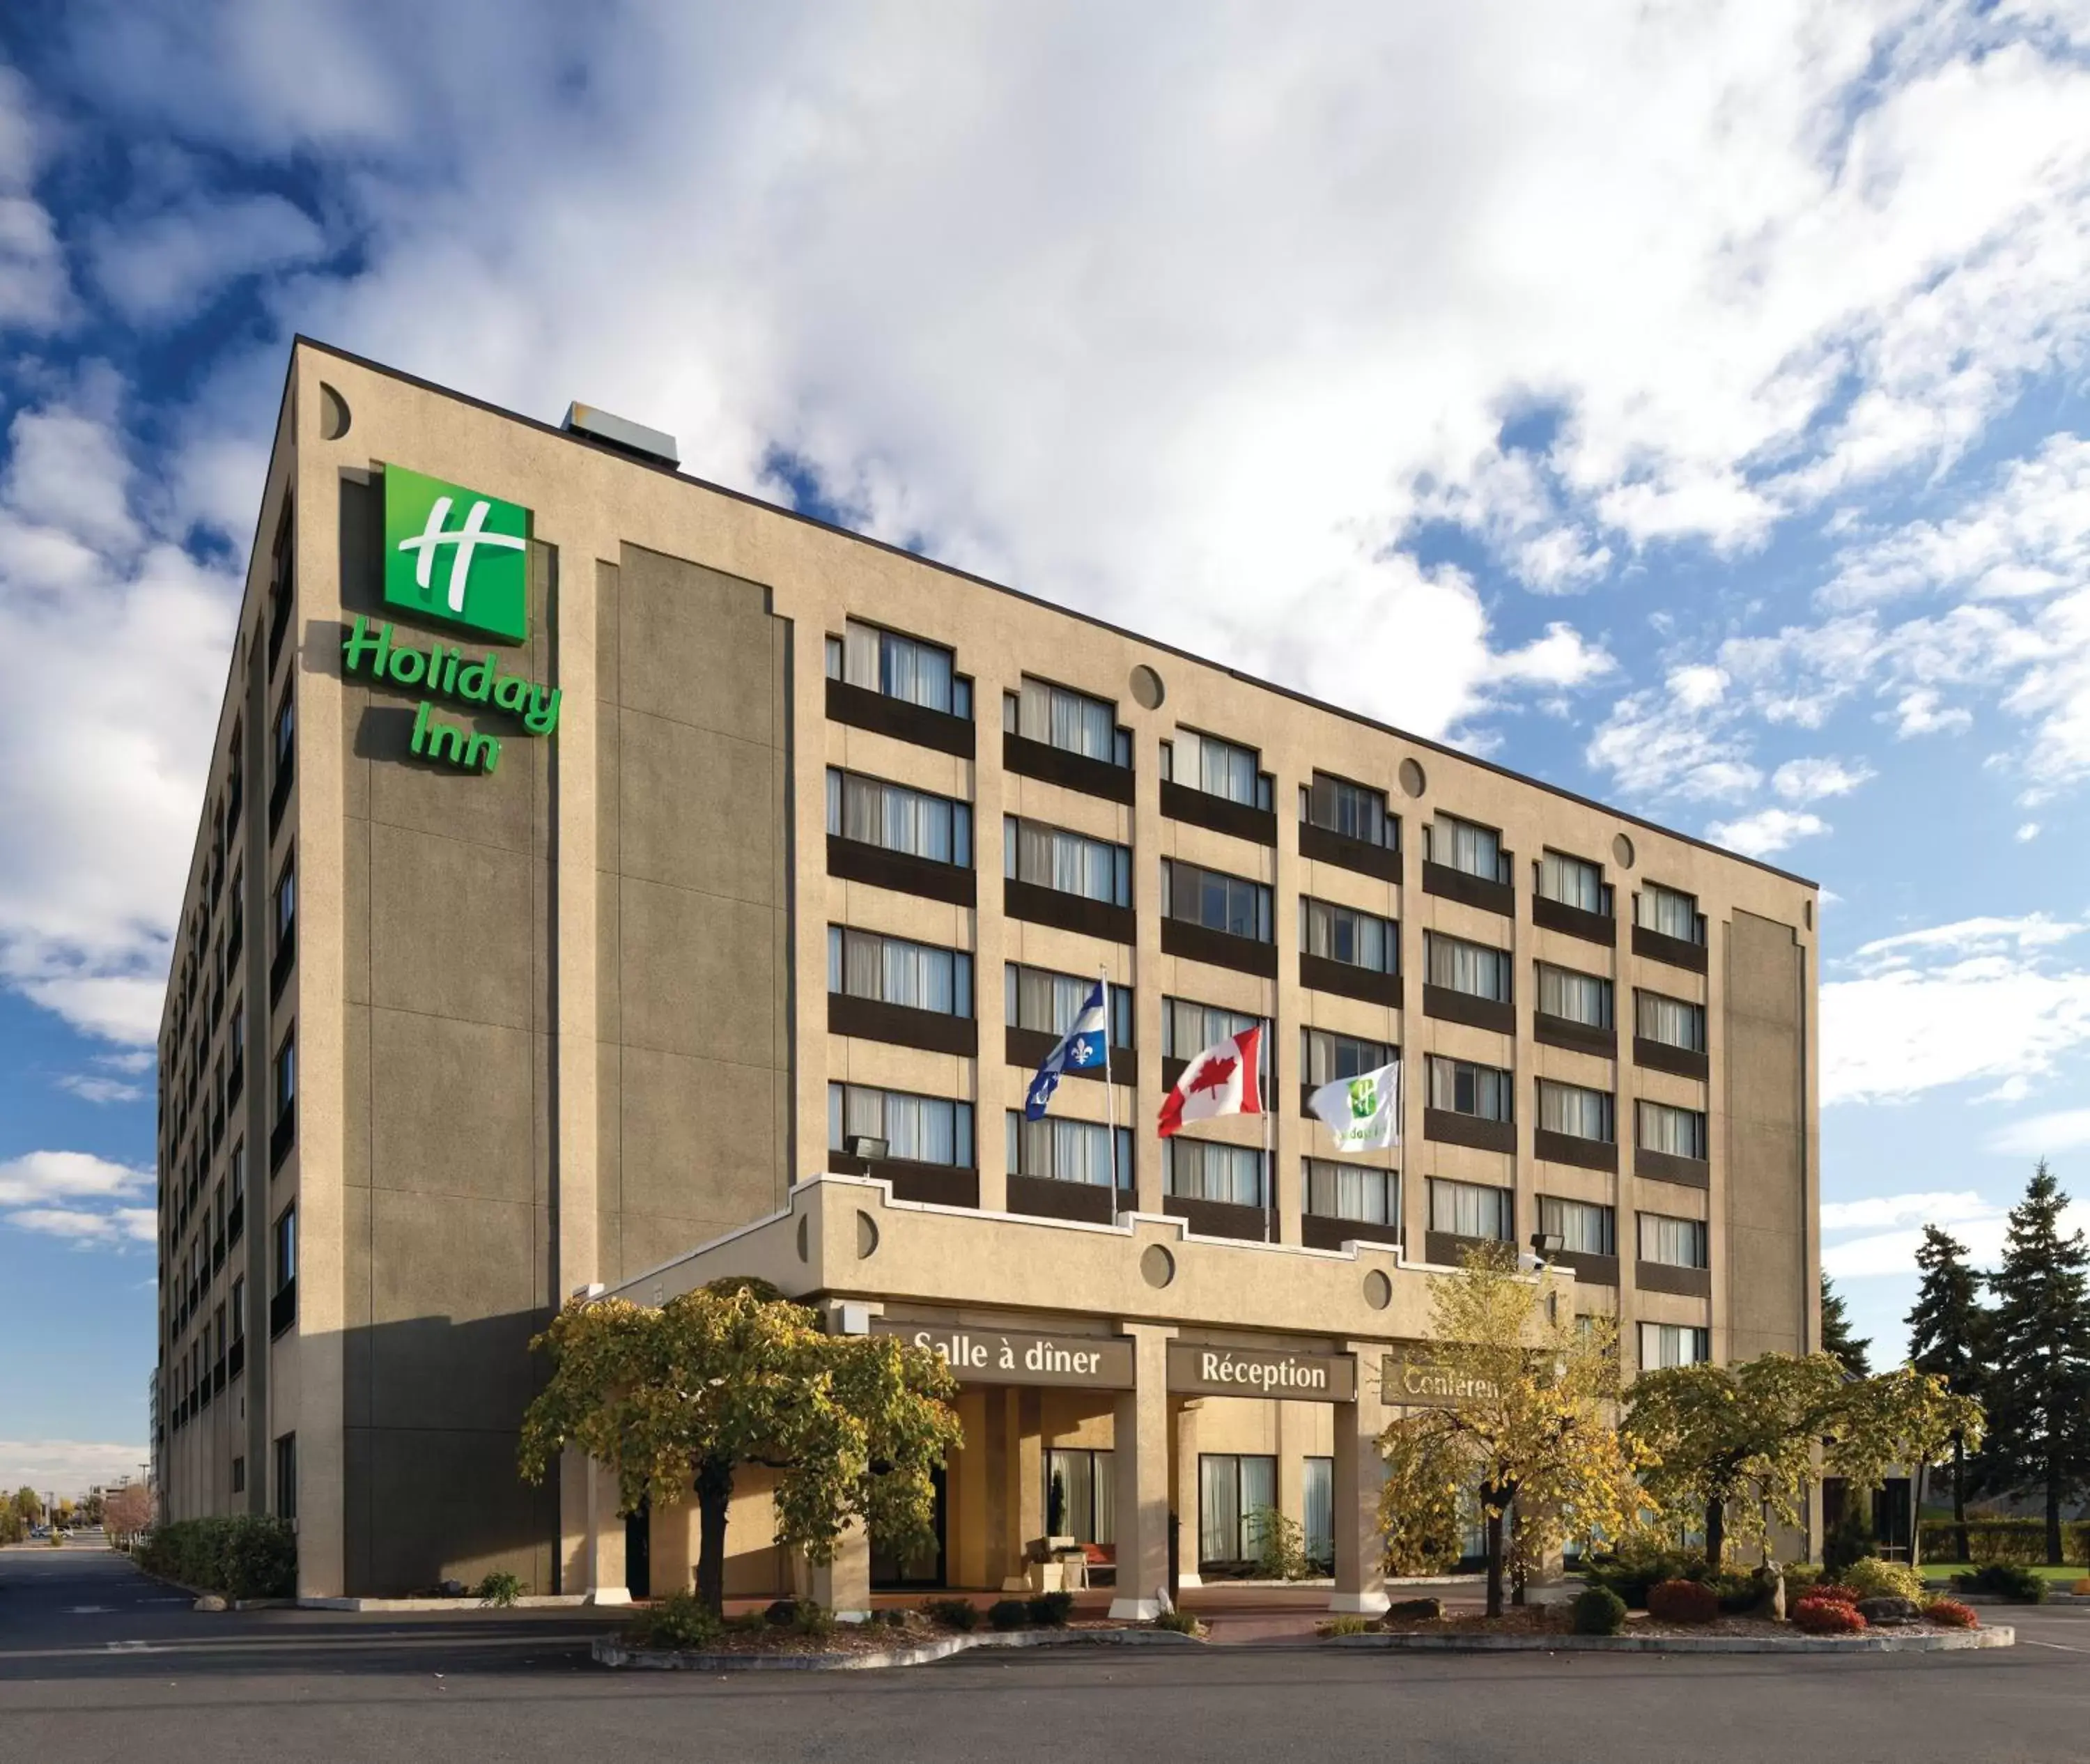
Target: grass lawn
2063	1576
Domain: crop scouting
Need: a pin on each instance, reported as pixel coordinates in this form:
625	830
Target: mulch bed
877	1637
1555	1619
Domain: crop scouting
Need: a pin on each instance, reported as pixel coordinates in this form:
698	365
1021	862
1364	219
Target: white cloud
163	267
2043	1135
1809	780
1879	1210
52	1176
2028	832
69	1467
87	1230
34	290
1981	998
1885	1254
99	1087
1768	830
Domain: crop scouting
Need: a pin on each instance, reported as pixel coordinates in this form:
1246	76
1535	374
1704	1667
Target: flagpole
1110	1087
1269	1151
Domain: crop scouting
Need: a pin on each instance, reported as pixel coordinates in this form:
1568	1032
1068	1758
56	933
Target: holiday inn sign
455	556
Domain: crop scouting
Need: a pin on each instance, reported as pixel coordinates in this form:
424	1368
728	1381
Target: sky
1686	404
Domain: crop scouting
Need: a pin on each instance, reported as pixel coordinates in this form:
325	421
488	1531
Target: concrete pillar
1141	1447
602	1551
843	1586
1360	1475
1187	1495
1024	1482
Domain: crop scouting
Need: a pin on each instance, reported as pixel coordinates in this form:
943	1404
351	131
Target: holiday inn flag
1363	1112
1220	1081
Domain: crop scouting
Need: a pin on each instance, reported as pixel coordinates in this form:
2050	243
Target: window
920	1129
238	1309
1673	1021
896	819
286	905
1327	1057
1579	997
1469	1210
1217	767
286	1079
1041	998
286	732
1472	968
285	1490
1576	1110
1336	1191
237	1221
1068	720
1068	1151
1676	1243
899	668
1187	1028
1234	1491
1466	845
894	971
1573	882
1081	1496
1343	934
1665	1345
1679	1132
284	1268
1583	1228
1670	912
1201	1170
214	1334
1349	809
239	1476
1461	1087
1073	864
1317	1512
1215	900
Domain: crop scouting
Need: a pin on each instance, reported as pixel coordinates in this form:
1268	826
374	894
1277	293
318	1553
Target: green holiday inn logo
451	553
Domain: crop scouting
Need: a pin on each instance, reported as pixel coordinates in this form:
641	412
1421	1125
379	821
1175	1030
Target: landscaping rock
1887	1610
1770	1599
210	1602
1428	1610
454	1589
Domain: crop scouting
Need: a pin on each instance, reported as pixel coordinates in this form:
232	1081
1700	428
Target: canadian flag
1220	1081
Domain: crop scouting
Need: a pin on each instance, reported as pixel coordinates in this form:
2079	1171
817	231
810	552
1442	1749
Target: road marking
2058	1647
131	1647
88	1611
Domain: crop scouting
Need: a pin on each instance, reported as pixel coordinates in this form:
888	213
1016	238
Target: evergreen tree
2040	1391
1949	1336
1854	1351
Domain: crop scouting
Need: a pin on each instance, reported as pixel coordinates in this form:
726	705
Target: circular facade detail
1622	849
1378	1290
1412	779
805	1240
1147	691
1157	1267
334	417
866	1237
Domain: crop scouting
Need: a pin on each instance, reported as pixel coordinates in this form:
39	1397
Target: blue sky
1686	405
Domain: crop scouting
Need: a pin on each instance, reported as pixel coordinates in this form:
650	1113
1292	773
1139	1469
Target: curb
609	1651
463	1604
1959	1642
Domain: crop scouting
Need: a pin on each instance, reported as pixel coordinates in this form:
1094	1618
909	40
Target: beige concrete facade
554	1026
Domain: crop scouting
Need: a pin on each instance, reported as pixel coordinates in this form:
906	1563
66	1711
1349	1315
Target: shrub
959	1614
679	1620
1739	1593
1950	1614
1598	1610
893	1619
1874	1579
1051	1611
1008	1613
1631	1572
2004	1540
1682	1602
1180	1621
747	1623
499	1588
812	1618
781	1613
250	1556
1827	1616
1849	1540
1835	1592
1350	1623
1280	1546
2004	1580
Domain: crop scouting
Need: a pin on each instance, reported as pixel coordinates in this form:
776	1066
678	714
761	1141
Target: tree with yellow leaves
675	1399
1536	1434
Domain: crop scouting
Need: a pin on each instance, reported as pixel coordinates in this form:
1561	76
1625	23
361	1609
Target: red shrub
1950	1614
1827	1616
1682	1602
1834	1594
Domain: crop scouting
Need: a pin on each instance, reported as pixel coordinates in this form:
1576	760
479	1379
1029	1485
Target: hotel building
608	881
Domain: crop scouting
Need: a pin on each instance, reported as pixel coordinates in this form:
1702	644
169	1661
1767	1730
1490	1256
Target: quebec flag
1086	1044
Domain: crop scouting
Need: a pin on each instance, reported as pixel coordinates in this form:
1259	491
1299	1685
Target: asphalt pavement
98	1662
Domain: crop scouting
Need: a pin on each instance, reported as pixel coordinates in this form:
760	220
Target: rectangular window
896	819
1047	1001
1670	911
1203	1170
1217	768
1676	1243
284	1269
919	1129
1579	997
1063	718
1326	1056
239	1476
1667	1344
1576	1110
287	905
285	1490
1317	1512
1469	1210
1068	1151
1234	1492
899	667
1343	934
286	732
1351	1191
1081	1496
287	1077
1349	809
1583	1228
1461	1087
1187	1028
1468	846
1675	1022
1071	863
239	1310
892	971
1472	968
1215	900
1573	882
1679	1132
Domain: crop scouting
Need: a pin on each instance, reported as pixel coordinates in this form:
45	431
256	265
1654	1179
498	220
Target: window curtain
1318	1504
1470	968
1468	1210
1571	881
1579	998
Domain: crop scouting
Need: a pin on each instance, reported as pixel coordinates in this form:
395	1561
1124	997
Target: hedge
248	1556
2004	1540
